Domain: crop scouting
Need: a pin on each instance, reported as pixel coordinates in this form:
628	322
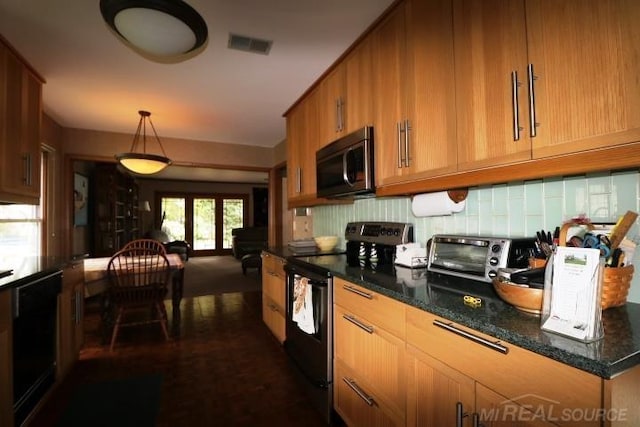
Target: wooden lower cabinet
70	317
357	404
495	410
369	355
273	294
518	374
6	349
435	391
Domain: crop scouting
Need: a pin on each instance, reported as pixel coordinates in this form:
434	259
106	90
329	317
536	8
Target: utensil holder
616	281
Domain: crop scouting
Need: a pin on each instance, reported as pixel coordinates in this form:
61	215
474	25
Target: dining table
96	281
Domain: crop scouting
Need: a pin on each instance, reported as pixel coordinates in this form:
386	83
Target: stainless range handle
532	101
352	384
357	291
368	329
492	345
516	110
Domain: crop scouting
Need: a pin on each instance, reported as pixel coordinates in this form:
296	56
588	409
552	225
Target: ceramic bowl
326	243
521	297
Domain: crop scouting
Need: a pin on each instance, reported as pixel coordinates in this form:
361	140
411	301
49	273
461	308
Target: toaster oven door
460	256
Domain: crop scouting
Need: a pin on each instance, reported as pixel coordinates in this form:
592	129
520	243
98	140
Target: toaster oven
477	257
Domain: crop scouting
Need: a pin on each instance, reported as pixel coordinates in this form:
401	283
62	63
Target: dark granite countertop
26	269
441	295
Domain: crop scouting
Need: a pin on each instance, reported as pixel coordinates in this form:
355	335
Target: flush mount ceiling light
161	28
143	163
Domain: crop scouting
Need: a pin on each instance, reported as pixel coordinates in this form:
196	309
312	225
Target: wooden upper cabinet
491	60
414	129
331	111
21	98
302	143
586	57
358	106
346	95
538	78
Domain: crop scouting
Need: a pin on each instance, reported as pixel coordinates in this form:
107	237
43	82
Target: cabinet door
302	144
6	355
70	317
415	115
494	410
490	51
20	142
434	392
360	98
357	405
586	56
331	106
373	354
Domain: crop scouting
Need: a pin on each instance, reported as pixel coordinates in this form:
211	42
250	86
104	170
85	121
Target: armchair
248	240
179	247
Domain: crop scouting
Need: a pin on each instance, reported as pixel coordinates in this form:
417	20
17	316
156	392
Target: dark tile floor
226	369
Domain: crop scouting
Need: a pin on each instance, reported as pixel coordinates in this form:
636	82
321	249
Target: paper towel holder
458	195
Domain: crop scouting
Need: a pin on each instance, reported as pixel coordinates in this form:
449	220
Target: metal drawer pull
516	111
532	101
366	328
358	292
368	399
492	345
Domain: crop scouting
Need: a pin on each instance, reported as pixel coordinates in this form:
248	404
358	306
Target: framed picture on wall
80	200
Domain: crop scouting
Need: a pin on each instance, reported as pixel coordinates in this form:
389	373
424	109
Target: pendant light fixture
159	28
143	163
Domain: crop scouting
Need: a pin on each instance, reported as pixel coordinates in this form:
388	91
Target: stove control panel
383	233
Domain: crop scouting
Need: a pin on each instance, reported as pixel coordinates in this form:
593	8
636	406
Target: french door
203	220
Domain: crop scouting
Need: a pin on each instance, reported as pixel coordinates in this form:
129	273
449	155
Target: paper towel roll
435	204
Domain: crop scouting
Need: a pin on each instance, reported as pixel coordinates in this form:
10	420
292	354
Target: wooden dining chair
138	279
144	244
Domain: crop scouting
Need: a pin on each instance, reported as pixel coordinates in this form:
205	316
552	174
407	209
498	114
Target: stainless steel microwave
477	257
345	167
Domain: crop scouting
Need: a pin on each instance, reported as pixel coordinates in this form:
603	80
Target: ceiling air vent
249	44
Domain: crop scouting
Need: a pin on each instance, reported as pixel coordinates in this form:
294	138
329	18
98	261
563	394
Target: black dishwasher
34	341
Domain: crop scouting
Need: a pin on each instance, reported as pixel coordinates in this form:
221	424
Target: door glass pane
173	217
204	224
232	217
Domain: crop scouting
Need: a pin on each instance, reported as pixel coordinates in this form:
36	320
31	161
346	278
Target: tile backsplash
514	209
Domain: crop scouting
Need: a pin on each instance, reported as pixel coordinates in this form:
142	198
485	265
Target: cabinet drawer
526	377
373	353
273	265
356	404
273	316
273	278
371	306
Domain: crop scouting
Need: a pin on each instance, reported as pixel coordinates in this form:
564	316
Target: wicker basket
615	286
616	281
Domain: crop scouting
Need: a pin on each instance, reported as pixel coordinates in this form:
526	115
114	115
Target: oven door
309	322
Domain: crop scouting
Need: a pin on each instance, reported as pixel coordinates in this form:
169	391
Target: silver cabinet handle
78	313
460	414
368	329
341	114
352	384
532	101
407	140
516	110
298	180
358	292
492	345
337	126
400	130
